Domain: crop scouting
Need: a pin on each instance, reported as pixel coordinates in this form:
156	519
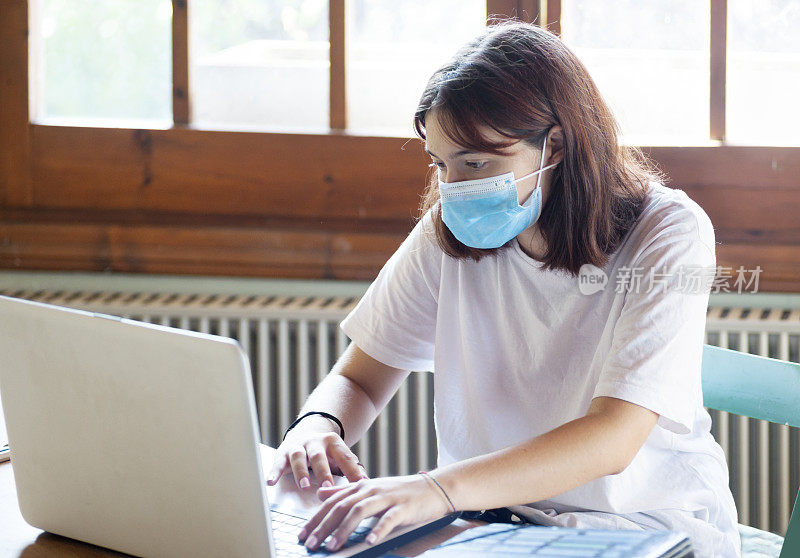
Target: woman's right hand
312	443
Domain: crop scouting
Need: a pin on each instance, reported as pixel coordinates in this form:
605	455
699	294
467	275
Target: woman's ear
555	144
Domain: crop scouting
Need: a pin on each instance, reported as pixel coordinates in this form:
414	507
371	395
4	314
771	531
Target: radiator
293	341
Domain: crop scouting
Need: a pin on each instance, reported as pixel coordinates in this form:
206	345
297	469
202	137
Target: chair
761	388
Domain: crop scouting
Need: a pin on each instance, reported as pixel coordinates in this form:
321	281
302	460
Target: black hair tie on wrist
323	413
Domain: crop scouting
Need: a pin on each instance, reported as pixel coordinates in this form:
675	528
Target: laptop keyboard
285	528
502	539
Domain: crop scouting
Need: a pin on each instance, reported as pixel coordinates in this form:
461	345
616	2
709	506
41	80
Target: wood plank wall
191	201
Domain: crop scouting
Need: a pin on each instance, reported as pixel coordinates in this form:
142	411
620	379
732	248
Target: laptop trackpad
286	495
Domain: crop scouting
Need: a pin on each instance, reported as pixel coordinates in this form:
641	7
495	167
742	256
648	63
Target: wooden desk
18	539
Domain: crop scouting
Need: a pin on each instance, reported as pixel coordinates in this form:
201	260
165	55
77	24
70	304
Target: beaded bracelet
426	474
323	413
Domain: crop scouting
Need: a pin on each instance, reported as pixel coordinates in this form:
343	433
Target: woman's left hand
401	500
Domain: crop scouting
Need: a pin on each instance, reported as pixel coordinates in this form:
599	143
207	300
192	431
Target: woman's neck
532	243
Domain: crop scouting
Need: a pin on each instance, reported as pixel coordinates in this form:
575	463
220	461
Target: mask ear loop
527	201
541	168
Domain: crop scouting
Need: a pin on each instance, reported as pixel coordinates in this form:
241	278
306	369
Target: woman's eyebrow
457	154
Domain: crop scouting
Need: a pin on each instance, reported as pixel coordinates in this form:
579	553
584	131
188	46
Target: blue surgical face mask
485	213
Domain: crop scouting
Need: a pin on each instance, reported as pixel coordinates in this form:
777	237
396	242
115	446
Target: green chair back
761	388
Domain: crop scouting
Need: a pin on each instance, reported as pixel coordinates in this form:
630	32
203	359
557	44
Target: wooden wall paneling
751	194
737	187
207	250
267	182
181	91
311	175
755	216
361	256
718	61
62	246
185	170
196	250
15	187
780	264
338	75
131	217
746	167
89	167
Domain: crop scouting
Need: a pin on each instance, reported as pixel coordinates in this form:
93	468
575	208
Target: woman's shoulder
670	206
423	235
668	213
669	221
420	248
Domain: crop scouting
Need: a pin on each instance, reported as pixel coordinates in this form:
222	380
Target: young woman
558	291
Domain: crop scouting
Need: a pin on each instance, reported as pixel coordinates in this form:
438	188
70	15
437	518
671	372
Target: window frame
187	200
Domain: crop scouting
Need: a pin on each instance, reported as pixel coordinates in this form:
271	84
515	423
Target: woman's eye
472	164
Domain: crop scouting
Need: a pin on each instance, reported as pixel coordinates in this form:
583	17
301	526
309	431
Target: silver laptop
142	438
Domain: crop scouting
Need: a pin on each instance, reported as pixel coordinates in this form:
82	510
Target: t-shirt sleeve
656	350
395	320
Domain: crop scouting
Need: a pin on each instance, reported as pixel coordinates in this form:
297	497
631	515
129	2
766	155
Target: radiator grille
293	341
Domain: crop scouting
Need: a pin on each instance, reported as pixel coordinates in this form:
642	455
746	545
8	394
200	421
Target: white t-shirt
517	351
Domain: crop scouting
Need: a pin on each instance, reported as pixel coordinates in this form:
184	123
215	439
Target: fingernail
333	544
326	482
302	533
304	482
271	480
371	538
311	542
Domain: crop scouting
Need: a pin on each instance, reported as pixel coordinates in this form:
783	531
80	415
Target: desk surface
18	539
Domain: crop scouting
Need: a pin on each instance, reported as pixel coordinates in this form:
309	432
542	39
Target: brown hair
521	80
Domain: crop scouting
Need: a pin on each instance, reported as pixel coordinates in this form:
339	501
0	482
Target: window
266	64
394	47
102	62
650	61
259	63
763	72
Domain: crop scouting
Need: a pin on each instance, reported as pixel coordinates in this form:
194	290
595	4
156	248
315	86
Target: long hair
520	80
